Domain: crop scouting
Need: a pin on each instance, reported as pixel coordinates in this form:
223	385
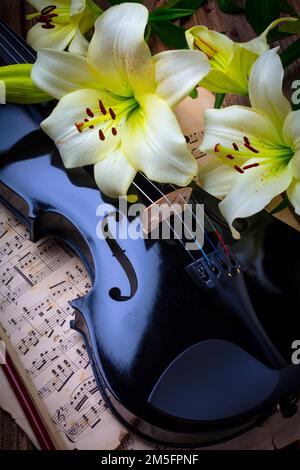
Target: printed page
38	281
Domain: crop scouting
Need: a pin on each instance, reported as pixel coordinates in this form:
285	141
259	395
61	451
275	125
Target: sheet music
38	280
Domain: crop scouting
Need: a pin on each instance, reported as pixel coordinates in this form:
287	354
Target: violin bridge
173	203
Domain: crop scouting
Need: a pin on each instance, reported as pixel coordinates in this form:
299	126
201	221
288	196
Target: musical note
194	140
83	411
37	283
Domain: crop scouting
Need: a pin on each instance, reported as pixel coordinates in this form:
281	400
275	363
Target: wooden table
236	26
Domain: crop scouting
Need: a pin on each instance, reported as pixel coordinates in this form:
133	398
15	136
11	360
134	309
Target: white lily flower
62	23
231	61
115	105
257	149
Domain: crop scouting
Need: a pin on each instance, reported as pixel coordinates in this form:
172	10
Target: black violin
188	348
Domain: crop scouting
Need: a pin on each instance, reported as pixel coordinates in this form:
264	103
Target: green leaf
194	93
229	6
260	13
296	95
291	53
148	32
170	34
219	100
281	206
293	28
167	14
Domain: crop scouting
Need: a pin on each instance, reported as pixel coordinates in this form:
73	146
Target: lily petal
234	77
254	190
114	174
293	193
265	88
231	125
216	178
160	151
260	44
219	82
240	66
178	72
40	4
79	45
119	52
79	148
77	7
57	72
56	38
291	133
89	16
218	43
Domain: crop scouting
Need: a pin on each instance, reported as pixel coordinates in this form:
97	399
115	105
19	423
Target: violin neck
13	48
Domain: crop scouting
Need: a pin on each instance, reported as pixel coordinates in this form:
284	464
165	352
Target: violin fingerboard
13	48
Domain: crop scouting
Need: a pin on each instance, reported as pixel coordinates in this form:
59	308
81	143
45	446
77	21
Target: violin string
197	220
169	225
9	52
219	236
22	43
181	219
206	217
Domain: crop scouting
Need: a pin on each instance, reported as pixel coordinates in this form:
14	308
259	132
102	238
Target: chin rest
215	380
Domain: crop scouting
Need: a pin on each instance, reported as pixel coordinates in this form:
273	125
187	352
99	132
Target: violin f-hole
115	292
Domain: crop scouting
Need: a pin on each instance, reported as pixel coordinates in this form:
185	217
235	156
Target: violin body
182	354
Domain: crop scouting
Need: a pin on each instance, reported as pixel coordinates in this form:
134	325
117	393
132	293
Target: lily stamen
252	149
47	10
79	126
211	53
102	107
248	145
204	47
238	169
46	16
253	165
111	112
89	112
48	26
94	118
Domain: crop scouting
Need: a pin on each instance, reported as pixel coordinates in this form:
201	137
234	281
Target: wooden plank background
235	26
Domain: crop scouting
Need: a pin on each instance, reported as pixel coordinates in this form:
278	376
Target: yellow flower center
213	55
237	156
49	15
110	117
